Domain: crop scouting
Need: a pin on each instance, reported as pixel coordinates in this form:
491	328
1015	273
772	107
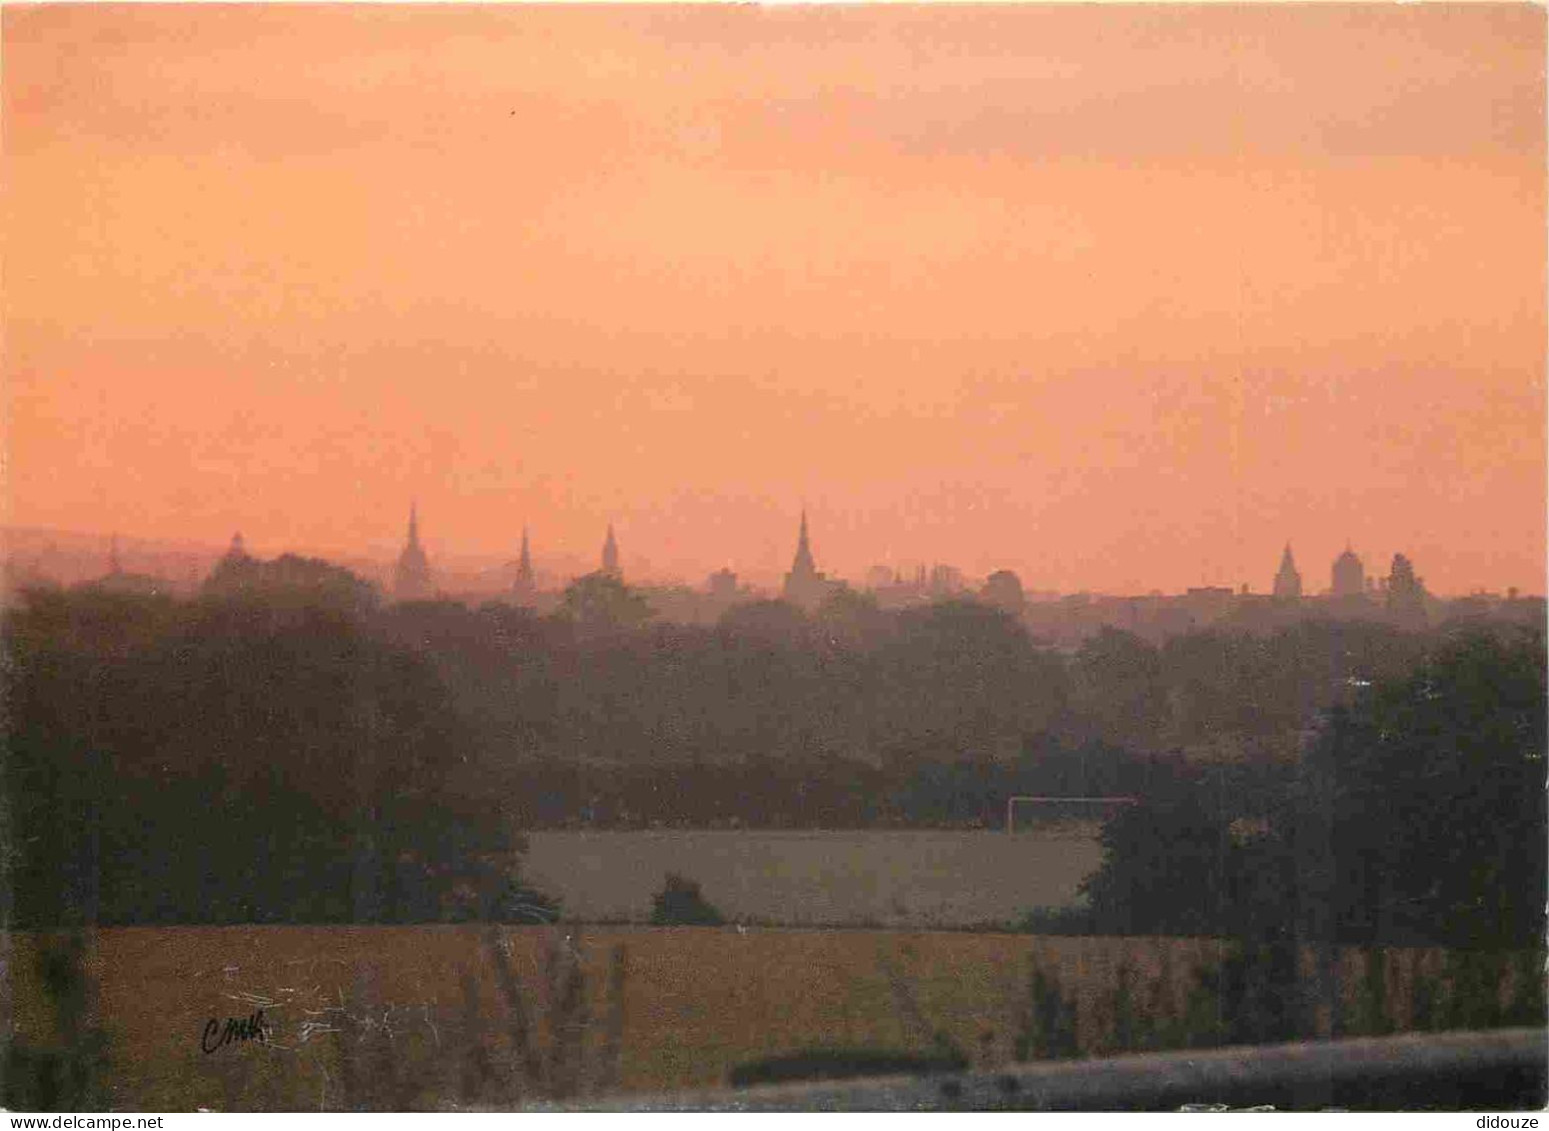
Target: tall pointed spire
610	554
525	584
803	563
804	585
1288	582
411	580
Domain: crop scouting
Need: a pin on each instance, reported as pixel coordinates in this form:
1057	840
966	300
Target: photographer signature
237	1029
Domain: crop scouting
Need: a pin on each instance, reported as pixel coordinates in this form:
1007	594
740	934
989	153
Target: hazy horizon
556	567
1120	299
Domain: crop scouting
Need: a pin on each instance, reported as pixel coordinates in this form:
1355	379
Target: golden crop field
380	1015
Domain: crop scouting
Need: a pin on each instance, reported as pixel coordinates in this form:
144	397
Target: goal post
1099	808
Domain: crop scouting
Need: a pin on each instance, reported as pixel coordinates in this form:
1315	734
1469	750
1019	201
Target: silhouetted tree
1429	791
680	903
1406	594
237	762
1122	689
290	579
1003	589
852	620
766	622
961	678
1166	866
600	603
1417	817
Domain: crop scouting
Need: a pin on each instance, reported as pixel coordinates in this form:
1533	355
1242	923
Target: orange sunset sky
1119	298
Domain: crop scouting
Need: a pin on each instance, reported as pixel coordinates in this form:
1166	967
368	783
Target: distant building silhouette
1288	582
804	585
1203	605
525	584
1405	594
1349	575
610	555
880	577
723	585
900	589
411	580
238	548
945	580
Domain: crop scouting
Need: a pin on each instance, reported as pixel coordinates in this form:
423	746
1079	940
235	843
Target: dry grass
351	1008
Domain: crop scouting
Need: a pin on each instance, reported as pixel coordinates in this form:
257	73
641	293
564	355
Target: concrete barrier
1498	1070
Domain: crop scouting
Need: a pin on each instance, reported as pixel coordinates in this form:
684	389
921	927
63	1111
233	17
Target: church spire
1288	582
804	585
610	554
411	580
803	565
524	585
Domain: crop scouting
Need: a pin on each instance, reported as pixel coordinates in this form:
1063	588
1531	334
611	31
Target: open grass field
921	878
382	1015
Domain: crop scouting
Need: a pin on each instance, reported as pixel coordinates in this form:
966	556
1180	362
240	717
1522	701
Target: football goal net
1054	815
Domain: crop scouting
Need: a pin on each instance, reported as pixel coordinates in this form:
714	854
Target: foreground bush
1268	993
681	904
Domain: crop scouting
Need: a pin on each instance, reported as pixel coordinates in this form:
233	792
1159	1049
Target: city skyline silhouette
412	573
971	301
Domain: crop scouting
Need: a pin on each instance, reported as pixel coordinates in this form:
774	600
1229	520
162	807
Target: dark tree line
285	749
1416	817
767	683
1233	693
234	761
854	715
837	795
